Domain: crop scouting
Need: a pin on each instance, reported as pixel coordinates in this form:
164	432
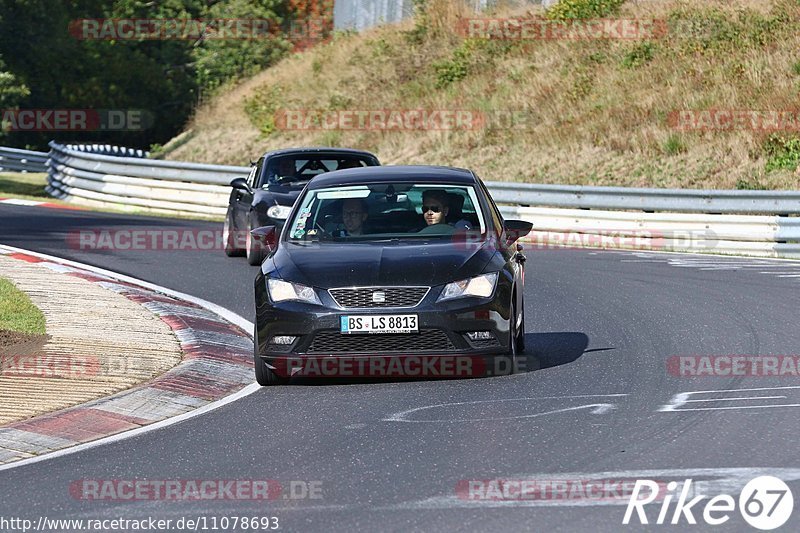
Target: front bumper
441	344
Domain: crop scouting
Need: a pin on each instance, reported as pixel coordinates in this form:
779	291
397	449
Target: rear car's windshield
287	169
386	211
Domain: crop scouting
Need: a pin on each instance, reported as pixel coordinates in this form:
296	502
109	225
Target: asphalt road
601	329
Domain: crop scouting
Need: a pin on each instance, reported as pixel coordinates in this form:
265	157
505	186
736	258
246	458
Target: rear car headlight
279	212
482	286
281	291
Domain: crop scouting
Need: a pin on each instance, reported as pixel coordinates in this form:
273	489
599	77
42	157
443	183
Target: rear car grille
427	340
374	297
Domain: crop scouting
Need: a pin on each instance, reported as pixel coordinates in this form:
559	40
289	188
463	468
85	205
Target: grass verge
17	313
26	186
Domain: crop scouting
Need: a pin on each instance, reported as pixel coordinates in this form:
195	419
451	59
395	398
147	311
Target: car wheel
521	331
513	337
229	236
264	375
253	248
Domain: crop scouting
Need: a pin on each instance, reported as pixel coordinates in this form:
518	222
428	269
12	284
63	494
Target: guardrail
759	223
162	186
631	198
16	160
108	149
753	235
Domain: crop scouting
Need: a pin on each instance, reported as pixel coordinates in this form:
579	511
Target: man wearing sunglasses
435	206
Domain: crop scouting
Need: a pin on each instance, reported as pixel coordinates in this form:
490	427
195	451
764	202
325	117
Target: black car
275	180
403	284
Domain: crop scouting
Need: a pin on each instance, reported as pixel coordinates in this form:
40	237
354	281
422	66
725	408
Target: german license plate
353	324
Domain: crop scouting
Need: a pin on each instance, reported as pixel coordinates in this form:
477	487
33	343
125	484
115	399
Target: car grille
427	340
483	343
362	297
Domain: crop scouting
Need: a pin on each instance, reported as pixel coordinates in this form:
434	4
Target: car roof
354	176
318	149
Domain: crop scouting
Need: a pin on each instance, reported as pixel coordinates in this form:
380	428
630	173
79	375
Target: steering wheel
437	229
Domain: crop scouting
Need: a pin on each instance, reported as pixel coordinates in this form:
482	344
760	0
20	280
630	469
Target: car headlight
482	286
281	291
279	211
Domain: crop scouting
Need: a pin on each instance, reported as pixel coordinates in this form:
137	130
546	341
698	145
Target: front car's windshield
303	167
402	210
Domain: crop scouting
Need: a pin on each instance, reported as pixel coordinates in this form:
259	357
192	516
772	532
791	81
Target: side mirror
515	230
265	237
240	184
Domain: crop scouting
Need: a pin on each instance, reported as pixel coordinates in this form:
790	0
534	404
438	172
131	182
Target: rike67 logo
765	503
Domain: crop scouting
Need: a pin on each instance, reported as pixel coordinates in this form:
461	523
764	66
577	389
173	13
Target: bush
12	92
219	61
743	184
705	29
783	153
640	54
454	69
419	33
583	9
674	145
261	108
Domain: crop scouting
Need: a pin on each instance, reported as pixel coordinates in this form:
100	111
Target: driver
285	169
435	206
354	214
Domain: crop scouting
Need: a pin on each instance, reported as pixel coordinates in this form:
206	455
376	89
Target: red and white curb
216	369
33	203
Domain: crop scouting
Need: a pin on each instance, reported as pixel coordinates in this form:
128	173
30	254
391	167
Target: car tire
253	249
228	236
521	331
264	375
513	337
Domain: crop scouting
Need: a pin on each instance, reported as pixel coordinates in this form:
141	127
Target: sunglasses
434	208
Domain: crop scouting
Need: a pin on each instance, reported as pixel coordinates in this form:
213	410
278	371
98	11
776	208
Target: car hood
371	264
279	194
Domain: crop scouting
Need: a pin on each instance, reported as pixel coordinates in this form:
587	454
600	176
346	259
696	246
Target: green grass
26	186
782	153
17	313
